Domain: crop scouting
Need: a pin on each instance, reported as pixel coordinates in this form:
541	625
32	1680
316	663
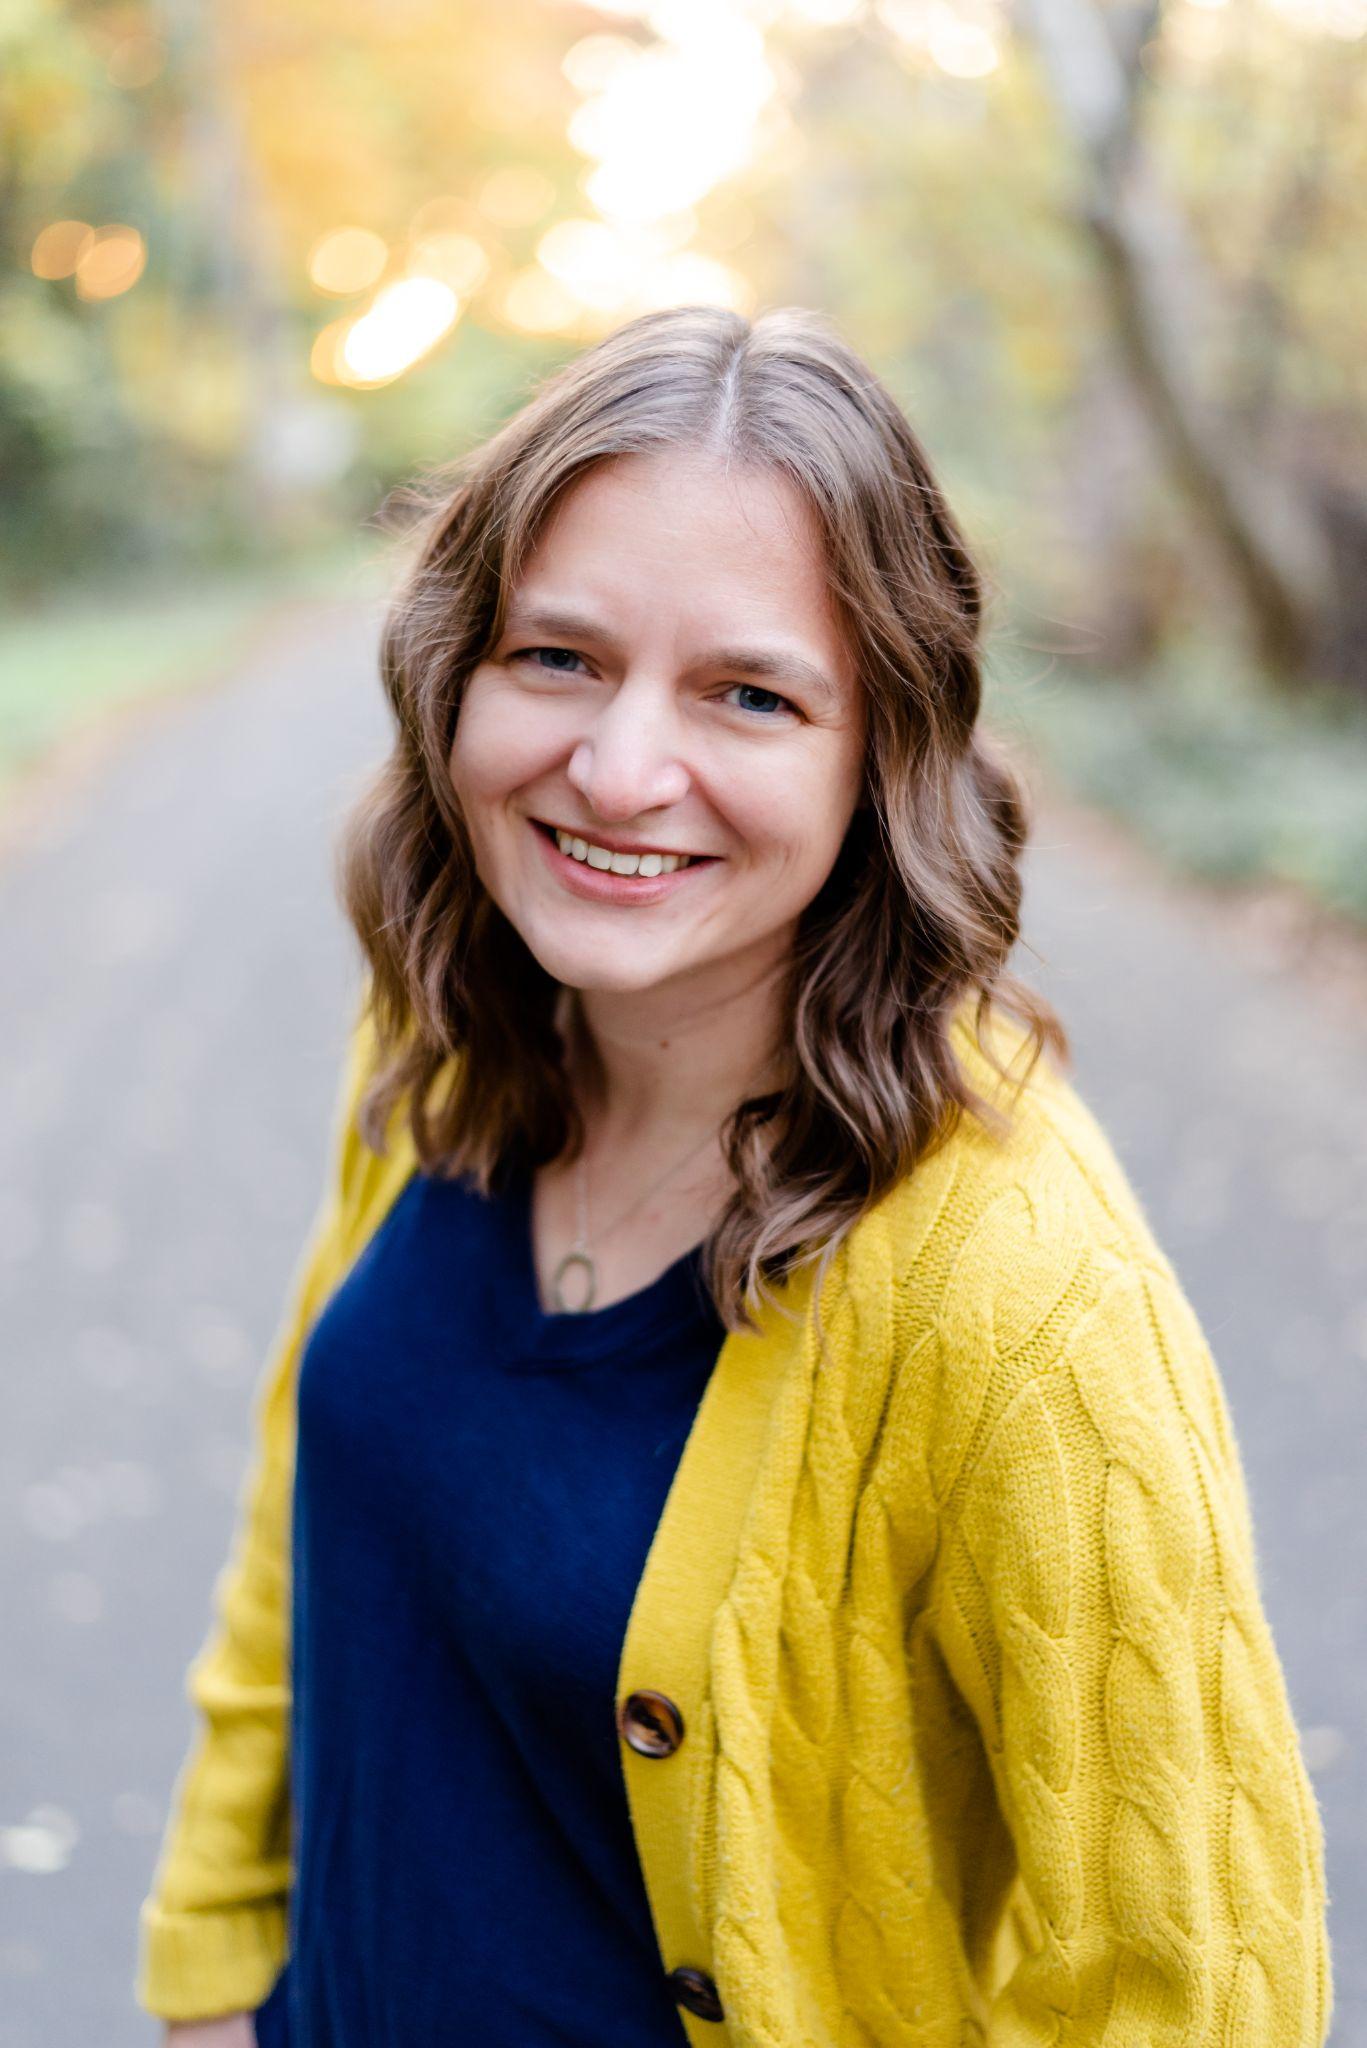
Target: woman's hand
234	2030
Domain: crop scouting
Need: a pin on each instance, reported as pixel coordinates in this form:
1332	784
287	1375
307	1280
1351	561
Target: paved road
176	983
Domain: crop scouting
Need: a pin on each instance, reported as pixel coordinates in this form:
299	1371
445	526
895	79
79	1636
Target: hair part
922	906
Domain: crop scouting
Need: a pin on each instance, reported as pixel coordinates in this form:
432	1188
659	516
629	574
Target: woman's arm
1099	1611
212	1931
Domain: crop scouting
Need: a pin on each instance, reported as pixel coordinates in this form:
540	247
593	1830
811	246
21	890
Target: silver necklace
579	1253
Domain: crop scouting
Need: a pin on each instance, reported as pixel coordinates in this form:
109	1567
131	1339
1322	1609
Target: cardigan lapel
667	1647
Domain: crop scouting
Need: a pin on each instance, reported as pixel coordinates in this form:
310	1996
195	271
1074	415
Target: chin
590	969
601	978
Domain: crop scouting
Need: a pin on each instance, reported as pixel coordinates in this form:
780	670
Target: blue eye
757	690
530	653
777	705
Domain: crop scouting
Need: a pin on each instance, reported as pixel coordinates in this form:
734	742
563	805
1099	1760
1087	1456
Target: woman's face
671	678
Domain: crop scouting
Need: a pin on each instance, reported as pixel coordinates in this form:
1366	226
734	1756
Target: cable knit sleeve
1099	1612
212	1931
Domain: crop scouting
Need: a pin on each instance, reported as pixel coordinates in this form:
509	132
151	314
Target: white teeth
620	863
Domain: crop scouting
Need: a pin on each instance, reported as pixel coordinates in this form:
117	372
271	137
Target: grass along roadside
1221	779
67	668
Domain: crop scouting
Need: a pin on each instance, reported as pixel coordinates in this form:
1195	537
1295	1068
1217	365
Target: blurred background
267	262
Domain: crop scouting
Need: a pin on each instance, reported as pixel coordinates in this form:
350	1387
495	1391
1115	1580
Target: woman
766	1559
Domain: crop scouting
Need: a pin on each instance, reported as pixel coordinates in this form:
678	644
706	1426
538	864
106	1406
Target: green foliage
444	406
934	217
1223	778
138	432
69	662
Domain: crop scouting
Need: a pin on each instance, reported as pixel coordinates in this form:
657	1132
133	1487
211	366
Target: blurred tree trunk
1161	299
227	236
1115	475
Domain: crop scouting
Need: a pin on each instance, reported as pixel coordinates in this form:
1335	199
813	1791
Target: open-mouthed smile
607	874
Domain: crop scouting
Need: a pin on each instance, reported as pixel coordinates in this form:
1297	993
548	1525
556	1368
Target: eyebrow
777	664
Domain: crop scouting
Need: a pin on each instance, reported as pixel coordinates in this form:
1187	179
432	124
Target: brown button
651	1723
696	1993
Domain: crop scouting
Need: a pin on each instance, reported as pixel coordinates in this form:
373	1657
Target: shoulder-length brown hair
922	906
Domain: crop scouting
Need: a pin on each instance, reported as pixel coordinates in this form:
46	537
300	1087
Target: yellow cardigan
986	1739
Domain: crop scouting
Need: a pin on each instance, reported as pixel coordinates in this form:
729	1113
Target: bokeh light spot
826	13
961	48
537	303
594	62
60	247
407	319
347	260
455	259
325	357
112	261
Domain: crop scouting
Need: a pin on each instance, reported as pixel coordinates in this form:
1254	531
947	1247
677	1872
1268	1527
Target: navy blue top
477	1484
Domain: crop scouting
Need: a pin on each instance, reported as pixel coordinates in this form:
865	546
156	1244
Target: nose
627	761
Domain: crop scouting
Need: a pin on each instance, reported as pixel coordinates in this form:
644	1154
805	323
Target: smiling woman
747	1542
698	598
642	740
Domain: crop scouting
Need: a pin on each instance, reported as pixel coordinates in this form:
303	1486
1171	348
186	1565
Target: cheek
495	750
796	821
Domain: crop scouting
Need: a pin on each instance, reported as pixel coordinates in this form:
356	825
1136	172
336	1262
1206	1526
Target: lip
617	842
600	885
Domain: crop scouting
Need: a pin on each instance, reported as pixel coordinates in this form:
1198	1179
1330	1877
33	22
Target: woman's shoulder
1025	1267
1028	1218
367	1177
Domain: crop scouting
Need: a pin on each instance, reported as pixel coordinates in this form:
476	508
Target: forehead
681	546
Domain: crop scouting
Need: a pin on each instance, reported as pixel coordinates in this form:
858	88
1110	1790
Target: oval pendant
590	1280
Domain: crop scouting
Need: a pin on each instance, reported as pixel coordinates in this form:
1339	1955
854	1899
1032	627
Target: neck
656	1066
